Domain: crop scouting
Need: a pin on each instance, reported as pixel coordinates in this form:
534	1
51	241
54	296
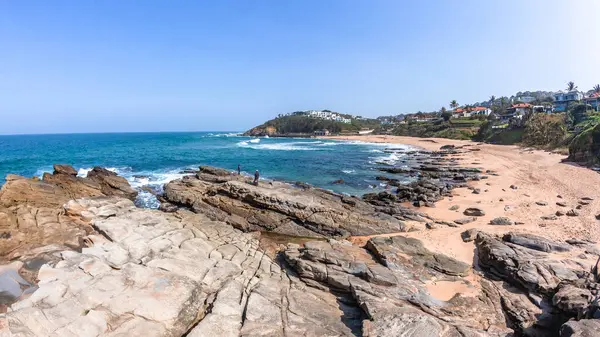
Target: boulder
582	328
64	169
469	235
111	184
572	212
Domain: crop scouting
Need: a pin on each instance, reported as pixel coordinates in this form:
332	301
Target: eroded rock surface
167	274
278	207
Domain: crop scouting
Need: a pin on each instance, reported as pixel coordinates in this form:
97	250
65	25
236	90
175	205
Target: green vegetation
585	147
440	129
299	124
549	131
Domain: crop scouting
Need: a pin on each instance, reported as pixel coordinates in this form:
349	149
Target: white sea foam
230	134
291	146
349	171
390	159
254	141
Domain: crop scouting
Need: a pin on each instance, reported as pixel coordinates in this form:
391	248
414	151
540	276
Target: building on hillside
593	100
542	108
480	111
458	113
516	112
321	133
475	111
563	100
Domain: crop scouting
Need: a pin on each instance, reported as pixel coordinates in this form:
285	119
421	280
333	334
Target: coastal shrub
585	147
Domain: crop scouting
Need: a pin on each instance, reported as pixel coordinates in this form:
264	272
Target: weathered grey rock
165	274
572	212
394	300
469	235
536	242
501	221
466	220
549	217
572	300
474	211
582	328
392	251
277	207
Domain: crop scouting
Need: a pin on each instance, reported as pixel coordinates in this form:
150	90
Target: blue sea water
153	159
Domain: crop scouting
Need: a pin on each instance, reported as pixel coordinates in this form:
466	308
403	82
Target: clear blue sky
110	66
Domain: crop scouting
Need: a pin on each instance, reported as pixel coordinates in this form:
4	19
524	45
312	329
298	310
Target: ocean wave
390	159
230	134
291	146
349	171
254	141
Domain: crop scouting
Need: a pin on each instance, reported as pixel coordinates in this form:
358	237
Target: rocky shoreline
81	260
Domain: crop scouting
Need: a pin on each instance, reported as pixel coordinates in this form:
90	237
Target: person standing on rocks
256	177
239	170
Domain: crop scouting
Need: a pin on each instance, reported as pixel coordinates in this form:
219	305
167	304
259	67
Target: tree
492	99
597	89
453	104
571	86
502	102
446	115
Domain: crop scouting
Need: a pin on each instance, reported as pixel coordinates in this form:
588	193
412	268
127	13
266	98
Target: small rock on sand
559	196
513	187
559	213
572	213
562	204
584	203
501	221
587	198
474	211
466	220
454	208
549	217
541	203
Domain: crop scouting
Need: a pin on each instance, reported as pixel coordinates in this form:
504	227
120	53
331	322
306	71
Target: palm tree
571	86
502	101
453	104
492	99
597	88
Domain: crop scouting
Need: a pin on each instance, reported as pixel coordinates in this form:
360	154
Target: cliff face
261	131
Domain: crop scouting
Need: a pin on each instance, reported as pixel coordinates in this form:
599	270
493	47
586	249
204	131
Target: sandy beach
539	177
